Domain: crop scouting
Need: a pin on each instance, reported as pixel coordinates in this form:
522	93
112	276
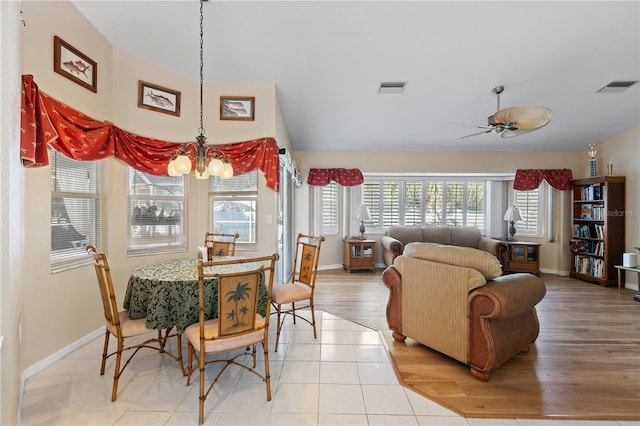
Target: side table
359	254
523	256
621	268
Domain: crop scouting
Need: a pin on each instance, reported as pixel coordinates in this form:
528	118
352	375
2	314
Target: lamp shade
363	213
513	214
182	164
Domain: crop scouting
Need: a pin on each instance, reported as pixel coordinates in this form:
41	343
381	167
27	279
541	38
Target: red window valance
344	177
528	179
47	121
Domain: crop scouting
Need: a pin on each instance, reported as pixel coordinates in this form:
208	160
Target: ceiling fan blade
476	134
469	125
510	133
525	118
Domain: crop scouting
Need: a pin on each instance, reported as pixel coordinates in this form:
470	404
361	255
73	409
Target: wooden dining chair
220	244
302	284
122	327
238	324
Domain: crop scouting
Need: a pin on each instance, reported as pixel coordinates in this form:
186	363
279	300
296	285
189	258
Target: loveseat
397	237
456	300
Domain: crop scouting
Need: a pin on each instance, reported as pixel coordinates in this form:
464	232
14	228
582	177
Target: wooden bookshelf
597	228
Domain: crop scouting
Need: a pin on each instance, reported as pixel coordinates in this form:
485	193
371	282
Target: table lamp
513	215
363	214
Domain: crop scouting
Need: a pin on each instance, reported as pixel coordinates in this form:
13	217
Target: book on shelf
586	211
588	265
591	192
590	230
597	212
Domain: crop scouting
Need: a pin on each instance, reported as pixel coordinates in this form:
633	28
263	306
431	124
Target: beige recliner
456	300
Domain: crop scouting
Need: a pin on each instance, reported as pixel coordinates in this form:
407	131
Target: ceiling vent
616	87
387	87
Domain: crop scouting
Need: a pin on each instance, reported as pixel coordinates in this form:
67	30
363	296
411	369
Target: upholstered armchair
456	300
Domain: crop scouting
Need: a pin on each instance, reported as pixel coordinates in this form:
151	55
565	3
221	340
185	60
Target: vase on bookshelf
593	168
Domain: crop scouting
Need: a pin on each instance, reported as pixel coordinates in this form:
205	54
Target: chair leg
293	311
267	375
278	328
104	352
253	355
116	370
179	338
202	396
313	319
189	363
162	340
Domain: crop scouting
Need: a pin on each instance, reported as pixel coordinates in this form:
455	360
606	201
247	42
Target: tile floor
344	377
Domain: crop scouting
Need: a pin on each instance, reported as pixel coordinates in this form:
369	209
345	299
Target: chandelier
219	164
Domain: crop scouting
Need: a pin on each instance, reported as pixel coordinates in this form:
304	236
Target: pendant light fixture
218	163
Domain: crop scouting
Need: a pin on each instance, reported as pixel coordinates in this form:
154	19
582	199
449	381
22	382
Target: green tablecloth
166	293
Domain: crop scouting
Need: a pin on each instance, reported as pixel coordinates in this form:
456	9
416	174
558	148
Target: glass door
284	226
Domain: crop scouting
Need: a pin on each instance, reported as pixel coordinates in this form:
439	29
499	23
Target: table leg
619	288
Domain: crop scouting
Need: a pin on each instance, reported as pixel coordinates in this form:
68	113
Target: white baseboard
554	272
52	359
57	356
328	267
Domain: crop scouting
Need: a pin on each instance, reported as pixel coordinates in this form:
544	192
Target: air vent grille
616	86
392	87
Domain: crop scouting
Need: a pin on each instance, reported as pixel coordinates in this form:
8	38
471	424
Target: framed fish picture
158	98
71	63
237	108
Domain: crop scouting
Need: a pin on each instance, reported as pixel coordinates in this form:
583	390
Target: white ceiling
327	59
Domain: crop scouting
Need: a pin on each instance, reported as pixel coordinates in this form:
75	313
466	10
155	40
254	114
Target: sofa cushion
465	236
436	234
405	234
485	263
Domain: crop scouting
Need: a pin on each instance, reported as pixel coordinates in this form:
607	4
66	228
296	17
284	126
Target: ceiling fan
514	121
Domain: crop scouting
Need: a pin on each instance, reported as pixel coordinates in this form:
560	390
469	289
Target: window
328	209
75	211
156	213
529	203
415	201
233	203
383	200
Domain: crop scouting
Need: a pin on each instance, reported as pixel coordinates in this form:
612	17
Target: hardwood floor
584	365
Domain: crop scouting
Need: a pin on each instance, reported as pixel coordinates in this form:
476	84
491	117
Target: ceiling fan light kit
514	121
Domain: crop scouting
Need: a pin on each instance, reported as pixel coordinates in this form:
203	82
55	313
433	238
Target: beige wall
37	302
68	301
11	211
554	253
444	162
624	150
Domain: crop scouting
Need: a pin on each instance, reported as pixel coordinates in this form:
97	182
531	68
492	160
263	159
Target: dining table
166	292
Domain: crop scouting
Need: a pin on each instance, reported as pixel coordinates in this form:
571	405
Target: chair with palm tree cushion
122	327
238	327
218	244
301	287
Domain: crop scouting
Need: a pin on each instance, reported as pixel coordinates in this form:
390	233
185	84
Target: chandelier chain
201	130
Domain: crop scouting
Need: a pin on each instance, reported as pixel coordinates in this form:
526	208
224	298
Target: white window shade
529	204
234	205
329	209
156	213
75	211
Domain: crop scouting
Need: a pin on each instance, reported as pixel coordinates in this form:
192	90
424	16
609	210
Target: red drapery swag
46	120
529	179
345	177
